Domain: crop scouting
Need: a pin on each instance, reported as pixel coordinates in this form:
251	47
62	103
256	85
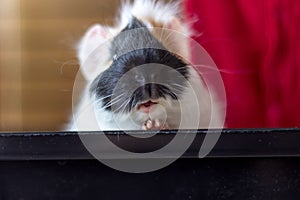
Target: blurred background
37	58
255	44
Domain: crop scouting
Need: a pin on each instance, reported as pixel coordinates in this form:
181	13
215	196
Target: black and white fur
107	53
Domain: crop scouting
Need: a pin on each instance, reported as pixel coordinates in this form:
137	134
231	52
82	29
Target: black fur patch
129	52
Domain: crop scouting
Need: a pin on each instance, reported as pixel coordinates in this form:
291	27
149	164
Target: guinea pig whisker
125	106
107	106
117	97
215	69
111	102
122	105
166	39
102	98
162	32
167	91
167	53
178	69
177	85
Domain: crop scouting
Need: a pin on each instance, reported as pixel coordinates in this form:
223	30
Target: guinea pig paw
154	125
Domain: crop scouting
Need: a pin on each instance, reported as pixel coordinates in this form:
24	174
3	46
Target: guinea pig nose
151	90
147	89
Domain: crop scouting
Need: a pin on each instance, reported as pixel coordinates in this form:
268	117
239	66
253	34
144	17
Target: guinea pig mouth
145	107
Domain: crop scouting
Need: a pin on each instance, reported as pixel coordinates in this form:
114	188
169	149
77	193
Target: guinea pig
138	74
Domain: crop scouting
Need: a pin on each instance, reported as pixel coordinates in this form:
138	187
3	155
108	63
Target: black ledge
232	143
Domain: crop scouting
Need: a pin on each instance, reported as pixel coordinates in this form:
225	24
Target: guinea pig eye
153	76
139	78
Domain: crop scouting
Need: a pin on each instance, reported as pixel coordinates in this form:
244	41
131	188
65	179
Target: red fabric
258	42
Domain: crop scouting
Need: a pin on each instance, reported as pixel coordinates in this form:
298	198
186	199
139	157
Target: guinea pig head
142	74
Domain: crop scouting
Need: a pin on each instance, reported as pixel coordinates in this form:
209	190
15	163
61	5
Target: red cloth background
258	42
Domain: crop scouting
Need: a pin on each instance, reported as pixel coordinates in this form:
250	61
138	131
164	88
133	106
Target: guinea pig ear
93	51
178	38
